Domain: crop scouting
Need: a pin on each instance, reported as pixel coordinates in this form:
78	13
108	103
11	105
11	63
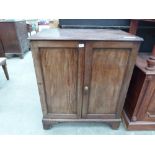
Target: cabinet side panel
108	68
22	33
39	76
60	67
133	94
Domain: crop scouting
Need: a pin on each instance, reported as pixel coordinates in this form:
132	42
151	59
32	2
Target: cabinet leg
5	71
46	126
115	125
22	56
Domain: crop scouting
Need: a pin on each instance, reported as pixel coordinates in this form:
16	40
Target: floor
20	110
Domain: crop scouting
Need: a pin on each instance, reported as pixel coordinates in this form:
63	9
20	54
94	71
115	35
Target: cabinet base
137	125
48	123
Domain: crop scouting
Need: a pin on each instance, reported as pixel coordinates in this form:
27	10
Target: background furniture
139	108
32	25
3	60
83	74
133	30
14	36
146	29
2	52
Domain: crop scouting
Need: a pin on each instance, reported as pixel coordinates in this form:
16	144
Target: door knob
86	88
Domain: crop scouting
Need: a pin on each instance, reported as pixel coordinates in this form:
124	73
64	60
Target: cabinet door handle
151	116
86	88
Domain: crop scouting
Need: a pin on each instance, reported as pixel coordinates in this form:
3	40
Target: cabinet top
85	34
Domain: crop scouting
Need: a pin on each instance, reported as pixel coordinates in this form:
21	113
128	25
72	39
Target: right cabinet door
105	68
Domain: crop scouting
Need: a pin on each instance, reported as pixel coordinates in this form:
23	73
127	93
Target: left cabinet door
59	70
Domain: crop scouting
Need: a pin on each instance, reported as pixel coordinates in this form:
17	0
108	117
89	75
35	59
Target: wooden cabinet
83	74
13	35
139	108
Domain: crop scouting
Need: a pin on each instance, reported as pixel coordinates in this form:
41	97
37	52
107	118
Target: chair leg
5	71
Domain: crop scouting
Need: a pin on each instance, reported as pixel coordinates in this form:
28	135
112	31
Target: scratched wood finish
87	82
139	108
108	68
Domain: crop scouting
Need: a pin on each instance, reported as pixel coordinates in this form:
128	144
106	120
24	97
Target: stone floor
20	110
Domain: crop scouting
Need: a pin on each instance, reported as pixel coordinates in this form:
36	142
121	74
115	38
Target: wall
146	29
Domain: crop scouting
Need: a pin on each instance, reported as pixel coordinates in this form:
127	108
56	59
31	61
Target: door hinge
81	45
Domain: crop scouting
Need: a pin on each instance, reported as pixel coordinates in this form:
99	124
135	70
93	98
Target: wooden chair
3	60
4	66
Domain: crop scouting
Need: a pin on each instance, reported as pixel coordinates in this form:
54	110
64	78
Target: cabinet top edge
85	34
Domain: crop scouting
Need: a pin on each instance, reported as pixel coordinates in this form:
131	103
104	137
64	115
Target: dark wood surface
107	73
84	34
134	28
60	79
139	108
3	60
135	23
83	80
14	37
2	52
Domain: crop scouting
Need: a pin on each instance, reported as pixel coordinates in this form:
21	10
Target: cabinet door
105	67
61	71
147	109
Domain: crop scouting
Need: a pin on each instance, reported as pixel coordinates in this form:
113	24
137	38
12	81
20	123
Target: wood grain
39	76
147	109
87	83
127	78
14	37
60	79
131	108
108	68
139	109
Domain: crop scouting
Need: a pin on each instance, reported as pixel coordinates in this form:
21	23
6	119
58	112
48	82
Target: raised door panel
107	69
60	75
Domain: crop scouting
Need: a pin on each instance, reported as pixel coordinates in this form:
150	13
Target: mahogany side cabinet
13	35
83	74
139	108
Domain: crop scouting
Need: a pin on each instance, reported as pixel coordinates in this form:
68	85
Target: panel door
62	76
105	69
147	108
